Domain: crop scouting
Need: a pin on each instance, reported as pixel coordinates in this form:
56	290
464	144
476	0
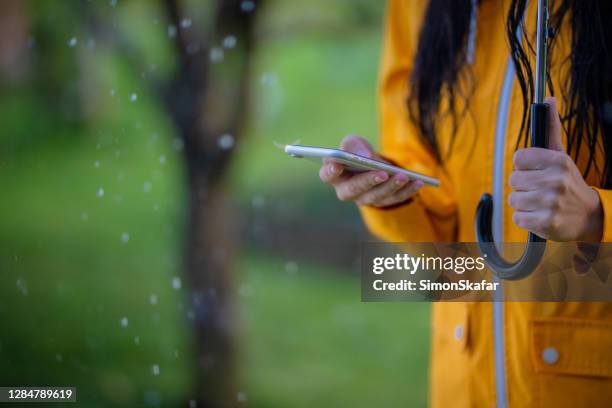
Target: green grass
74	262
308	341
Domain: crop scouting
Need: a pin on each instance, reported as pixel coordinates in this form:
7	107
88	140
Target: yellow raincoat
486	354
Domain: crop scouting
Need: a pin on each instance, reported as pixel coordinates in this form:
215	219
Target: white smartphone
354	162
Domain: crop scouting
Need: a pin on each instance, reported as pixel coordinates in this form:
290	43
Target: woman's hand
550	197
374	188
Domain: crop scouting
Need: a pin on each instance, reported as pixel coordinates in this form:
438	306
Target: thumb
357	145
555	138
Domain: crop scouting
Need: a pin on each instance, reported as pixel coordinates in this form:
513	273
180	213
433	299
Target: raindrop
245	290
226	141
147	186
23	287
162	159
59	357
268	79
186	23
125	237
178	144
73	42
112	92
171	31
133	97
176	283
291	268
153	299
193	404
84	216
229	41
97	164
100	192
241	396
247	6
137	340
113	3
216	54
123	322
258	201
155	369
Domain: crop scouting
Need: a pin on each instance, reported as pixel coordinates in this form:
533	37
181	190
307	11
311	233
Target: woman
455	88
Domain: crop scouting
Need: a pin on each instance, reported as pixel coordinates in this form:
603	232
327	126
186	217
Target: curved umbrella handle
529	261
536	247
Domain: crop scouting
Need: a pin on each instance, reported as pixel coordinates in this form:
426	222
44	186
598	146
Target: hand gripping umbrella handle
484	215
536	246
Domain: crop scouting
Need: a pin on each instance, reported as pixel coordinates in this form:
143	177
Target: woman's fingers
357	145
407	192
375	188
352	188
394	195
555	129
331	172
536	158
540	222
529	200
534	179
381	193
401	196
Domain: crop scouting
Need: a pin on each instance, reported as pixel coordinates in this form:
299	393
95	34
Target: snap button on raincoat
515	354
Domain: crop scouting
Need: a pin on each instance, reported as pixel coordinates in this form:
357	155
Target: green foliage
75	262
93	207
311	89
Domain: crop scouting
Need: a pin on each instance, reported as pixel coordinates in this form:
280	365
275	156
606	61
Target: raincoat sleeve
431	216
606	203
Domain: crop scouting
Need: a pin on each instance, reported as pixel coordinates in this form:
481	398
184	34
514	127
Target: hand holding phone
374	188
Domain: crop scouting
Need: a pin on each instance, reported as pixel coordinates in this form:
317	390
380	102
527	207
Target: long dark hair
440	64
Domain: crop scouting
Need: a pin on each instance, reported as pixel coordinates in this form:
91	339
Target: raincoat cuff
605	197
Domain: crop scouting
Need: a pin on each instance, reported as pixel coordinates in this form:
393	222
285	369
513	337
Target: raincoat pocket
572	359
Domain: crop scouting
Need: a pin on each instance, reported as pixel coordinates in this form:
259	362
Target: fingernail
400	181
380	178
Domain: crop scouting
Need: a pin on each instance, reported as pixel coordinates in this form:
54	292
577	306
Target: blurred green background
93	211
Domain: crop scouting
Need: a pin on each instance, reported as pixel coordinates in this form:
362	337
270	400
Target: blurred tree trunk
207	103
14	30
206	99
